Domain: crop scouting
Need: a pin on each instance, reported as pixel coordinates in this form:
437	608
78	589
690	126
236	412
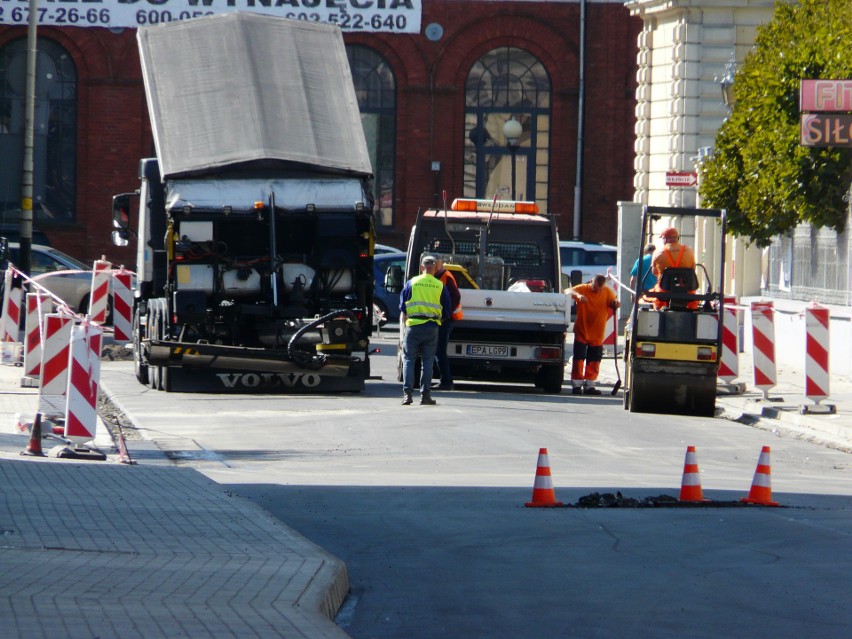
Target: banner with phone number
357	16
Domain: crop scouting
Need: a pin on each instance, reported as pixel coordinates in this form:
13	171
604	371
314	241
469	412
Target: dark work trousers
444	333
420	339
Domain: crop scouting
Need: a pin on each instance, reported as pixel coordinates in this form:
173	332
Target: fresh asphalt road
425	505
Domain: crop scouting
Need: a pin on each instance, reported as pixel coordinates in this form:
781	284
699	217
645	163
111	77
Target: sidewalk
105	549
153	550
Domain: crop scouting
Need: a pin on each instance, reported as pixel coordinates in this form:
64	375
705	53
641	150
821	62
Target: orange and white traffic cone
761	486
690	485
33	448
543	494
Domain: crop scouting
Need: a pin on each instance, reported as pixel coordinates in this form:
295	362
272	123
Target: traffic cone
543	494
761	486
690	485
34	445
123	453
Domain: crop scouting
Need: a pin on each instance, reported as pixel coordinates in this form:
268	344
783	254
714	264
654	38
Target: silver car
73	288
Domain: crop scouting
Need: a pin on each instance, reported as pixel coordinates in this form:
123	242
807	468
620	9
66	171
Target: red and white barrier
10	322
763	336
609	331
54	365
122	305
38	305
729	367
84	363
816	352
99	297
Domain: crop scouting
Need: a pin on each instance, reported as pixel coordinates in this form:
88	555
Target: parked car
384	249
12	231
590	258
73	288
387	303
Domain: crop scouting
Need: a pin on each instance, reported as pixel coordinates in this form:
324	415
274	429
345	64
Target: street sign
681	178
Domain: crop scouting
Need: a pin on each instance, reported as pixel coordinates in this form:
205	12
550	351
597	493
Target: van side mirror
576	277
394	279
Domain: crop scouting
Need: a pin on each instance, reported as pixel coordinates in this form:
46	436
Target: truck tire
551	378
140	367
162	374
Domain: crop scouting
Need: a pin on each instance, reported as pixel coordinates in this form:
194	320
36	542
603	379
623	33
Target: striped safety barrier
10	321
81	414
38	305
99	297
816	352
54	365
729	365
122	305
763	336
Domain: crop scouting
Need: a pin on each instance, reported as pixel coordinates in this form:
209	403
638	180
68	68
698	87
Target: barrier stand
38	304
729	367
10	321
763	336
817	360
81	417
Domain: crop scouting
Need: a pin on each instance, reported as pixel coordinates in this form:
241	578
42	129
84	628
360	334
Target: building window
54	131
375	87
507	83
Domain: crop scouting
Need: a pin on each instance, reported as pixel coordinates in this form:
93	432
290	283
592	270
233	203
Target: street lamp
512	131
726	83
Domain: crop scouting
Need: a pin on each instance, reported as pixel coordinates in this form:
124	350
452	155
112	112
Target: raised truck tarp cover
241	90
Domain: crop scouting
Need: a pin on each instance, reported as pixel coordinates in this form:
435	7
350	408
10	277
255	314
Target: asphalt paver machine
673	339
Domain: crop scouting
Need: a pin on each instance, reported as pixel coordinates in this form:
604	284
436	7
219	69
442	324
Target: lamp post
512	131
726	84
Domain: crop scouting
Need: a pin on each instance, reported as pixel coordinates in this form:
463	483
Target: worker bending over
594	299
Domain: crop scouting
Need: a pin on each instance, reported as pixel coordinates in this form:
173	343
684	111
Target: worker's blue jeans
420	339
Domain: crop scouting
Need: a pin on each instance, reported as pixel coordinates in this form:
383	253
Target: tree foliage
758	172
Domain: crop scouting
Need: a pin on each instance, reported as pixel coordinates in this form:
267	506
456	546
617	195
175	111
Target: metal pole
26	222
578	185
514	149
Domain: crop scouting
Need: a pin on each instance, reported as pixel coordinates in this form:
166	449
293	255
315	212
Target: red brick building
433	102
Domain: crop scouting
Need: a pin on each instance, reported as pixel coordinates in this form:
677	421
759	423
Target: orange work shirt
670	255
592	314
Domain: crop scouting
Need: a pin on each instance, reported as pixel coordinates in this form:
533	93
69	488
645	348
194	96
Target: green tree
759	172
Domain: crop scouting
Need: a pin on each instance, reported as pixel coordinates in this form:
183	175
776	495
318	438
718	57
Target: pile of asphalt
617	500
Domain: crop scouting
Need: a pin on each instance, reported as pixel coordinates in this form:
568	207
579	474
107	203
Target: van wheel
551	378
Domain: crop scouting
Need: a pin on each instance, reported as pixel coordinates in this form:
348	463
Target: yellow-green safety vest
425	303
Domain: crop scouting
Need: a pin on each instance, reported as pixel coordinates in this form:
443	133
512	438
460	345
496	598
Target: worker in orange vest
594	299
447	326
673	254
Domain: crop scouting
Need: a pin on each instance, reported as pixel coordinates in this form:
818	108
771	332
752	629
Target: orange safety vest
658	303
457	311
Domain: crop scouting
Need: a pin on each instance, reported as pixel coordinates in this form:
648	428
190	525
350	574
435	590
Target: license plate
479	350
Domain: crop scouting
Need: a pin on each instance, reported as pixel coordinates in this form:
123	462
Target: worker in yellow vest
447	325
423	304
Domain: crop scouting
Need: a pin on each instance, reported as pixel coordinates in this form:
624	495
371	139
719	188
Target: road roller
673	338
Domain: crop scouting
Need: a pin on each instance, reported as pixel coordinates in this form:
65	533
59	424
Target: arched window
507	83
54	131
375	87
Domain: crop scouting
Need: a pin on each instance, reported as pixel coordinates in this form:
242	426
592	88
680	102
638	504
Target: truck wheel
139	367
551	378
153	331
